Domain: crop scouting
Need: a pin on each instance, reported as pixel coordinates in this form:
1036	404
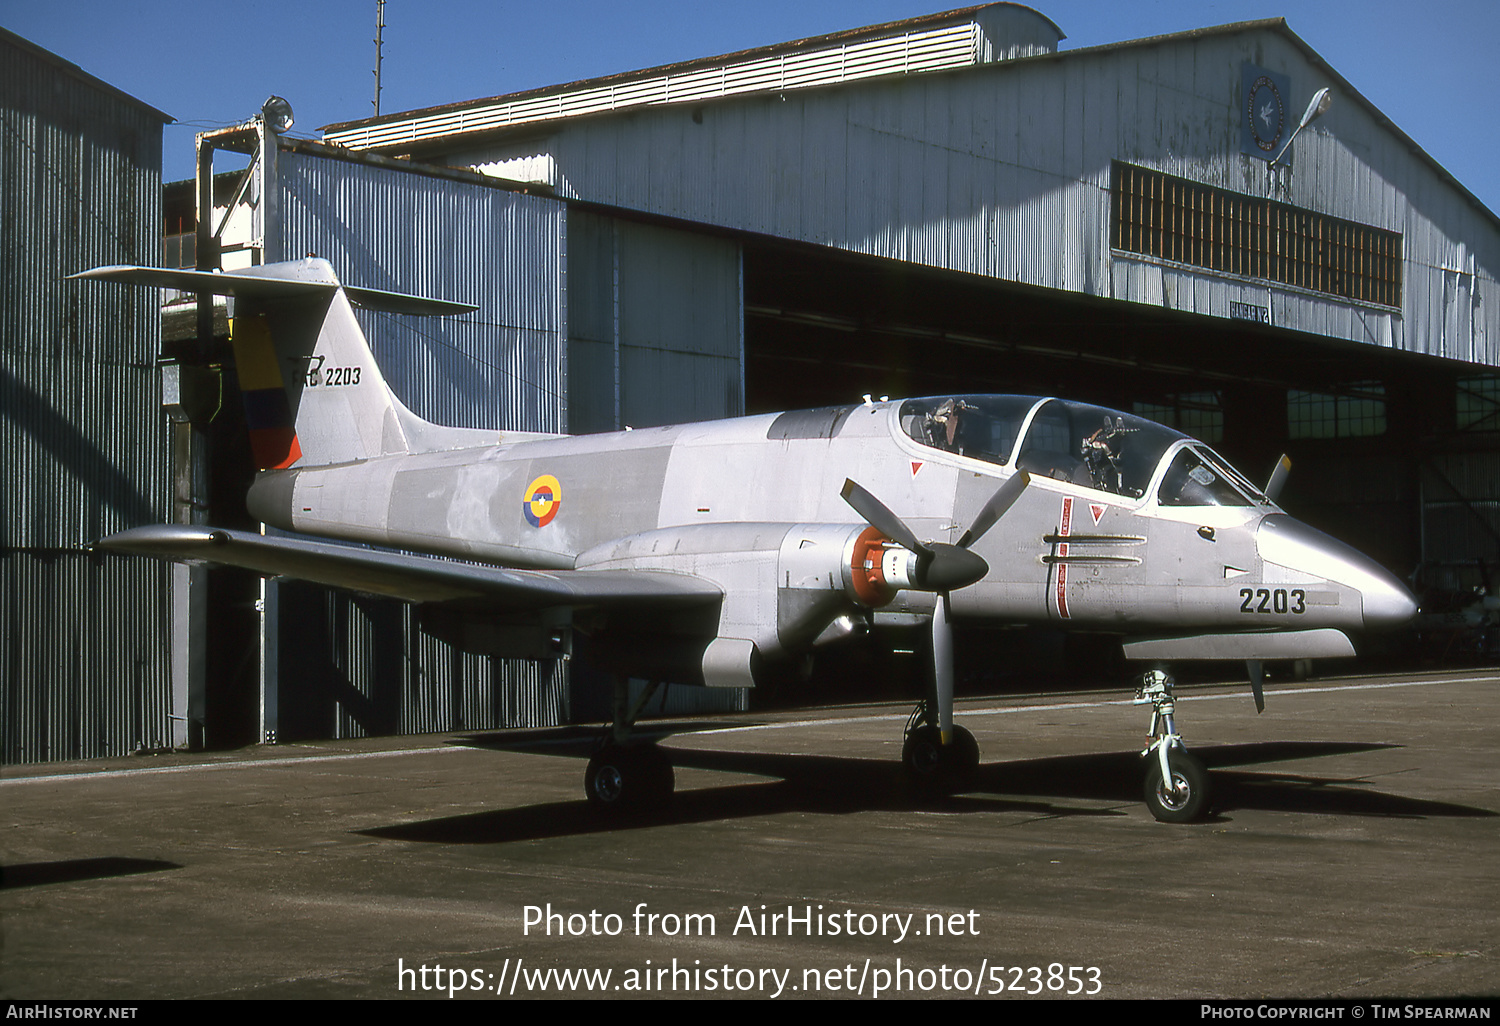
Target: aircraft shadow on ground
36	874
834	785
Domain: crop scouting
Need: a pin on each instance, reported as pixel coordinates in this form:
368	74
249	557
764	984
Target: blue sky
1429	66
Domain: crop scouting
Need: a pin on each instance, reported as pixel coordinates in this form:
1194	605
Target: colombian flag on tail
273	436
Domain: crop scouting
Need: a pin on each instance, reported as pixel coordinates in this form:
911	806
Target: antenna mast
379	34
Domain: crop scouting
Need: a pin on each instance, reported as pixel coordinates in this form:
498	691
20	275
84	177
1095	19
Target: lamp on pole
1321	101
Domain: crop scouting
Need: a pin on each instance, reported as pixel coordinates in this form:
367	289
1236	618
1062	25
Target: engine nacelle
819	574
828	574
875	568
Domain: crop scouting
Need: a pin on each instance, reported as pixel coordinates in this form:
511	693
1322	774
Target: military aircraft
699	553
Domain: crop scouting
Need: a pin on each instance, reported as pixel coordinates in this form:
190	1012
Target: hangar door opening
825	327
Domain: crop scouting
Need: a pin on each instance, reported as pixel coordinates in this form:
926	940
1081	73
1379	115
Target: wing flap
410	577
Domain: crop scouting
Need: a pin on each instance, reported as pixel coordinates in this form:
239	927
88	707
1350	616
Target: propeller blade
1003	499
878	516
942	667
1257	683
1278	477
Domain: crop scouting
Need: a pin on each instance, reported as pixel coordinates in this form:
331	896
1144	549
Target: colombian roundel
543	498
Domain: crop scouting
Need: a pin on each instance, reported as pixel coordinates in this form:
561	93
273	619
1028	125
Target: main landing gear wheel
934	766
620	778
1186	798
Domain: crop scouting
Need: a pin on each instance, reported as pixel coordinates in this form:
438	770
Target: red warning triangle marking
1096	511
915	466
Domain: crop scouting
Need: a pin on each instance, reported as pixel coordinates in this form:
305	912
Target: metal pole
379	37
190	489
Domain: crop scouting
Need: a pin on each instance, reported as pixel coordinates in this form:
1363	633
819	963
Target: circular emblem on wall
542	501
1266	113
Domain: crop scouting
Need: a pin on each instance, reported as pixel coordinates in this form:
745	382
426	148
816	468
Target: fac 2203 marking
1273	600
332	377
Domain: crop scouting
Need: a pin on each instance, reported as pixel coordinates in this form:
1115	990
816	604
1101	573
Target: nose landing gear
1178	788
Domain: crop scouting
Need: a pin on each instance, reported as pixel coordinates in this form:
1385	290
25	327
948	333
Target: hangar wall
84	656
503	251
655	331
1004	169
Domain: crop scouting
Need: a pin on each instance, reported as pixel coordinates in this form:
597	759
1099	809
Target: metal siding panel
83	658
788	172
499	367
679	326
1474	475
666	387
365	669
84	663
71	160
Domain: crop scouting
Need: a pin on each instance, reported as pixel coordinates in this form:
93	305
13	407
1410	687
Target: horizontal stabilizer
295	280
1326	643
409	577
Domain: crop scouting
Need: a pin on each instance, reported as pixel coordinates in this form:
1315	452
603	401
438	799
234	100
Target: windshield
1095	447
1198	478
983	427
1079	443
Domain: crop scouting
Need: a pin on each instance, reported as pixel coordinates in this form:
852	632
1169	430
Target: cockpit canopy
1086	445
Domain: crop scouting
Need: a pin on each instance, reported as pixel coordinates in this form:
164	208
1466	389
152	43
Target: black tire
1188	800
932	765
621	778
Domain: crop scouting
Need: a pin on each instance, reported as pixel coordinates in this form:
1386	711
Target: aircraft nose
1292	544
1389	604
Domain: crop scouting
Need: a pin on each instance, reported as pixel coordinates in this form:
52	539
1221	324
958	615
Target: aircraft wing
413	578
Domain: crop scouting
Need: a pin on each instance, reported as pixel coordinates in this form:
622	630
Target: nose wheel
1185	798
1178	788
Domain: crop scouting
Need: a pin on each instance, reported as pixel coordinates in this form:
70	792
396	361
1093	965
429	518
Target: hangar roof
935	42
74	71
931	42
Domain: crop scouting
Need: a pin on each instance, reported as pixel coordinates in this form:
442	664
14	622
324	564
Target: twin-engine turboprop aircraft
697	553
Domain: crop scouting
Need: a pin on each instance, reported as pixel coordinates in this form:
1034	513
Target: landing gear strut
1178	789
624	776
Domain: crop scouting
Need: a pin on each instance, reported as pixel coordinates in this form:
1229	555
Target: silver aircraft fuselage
1126	526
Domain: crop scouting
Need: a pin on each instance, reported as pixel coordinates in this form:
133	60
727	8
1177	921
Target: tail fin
314	395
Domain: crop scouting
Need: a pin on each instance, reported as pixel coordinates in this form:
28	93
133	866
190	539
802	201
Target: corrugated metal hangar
85	655
949	203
